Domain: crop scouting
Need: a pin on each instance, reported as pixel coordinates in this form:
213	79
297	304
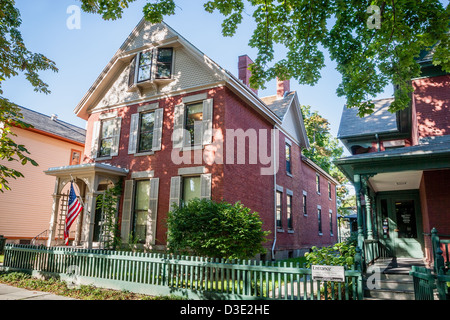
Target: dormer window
145	66
151	65
164	63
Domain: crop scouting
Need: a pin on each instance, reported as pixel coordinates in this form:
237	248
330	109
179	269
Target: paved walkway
12	293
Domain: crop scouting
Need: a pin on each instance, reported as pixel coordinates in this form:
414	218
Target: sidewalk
12	293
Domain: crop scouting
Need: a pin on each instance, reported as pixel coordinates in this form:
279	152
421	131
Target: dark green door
401	222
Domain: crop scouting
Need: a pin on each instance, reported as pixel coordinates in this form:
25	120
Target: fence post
359	267
434	246
439	261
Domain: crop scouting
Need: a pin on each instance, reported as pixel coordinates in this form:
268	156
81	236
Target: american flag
73	210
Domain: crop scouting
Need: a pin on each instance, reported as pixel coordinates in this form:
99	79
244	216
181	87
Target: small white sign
328	273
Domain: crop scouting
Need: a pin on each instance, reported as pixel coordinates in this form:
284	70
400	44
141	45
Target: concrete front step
389	281
383	294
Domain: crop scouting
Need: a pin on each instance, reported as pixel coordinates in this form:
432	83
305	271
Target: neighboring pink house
174	126
24	210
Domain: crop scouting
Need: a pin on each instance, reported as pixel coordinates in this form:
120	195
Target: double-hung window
145	66
329	190
106	136
279	209
141	205
146	130
330	216
194	123
164	63
147	124
288	159
191	188
305	208
289	211
318	183
191	183
319	218
140	208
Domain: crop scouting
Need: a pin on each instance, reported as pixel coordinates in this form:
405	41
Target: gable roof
279	106
274	110
44	123
127	51
380	121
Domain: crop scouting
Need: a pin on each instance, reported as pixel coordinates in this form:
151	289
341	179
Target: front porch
402	194
90	181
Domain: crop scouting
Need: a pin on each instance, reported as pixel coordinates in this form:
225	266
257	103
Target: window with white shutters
193	124
185	188
106	137
146	131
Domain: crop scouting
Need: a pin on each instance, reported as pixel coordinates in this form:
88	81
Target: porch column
89	218
374	216
368	216
359	208
54	216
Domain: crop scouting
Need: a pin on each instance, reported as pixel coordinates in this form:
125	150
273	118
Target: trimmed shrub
215	229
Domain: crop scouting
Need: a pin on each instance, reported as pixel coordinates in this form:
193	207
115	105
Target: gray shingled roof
57	127
279	105
380	121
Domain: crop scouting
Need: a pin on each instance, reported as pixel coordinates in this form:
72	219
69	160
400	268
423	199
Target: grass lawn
58	287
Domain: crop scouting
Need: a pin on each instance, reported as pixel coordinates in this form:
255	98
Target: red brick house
400	167
175	126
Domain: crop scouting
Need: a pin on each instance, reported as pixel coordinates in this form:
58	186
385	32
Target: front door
401	225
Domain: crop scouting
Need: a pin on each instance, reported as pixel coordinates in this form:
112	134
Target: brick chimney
245	74
283	86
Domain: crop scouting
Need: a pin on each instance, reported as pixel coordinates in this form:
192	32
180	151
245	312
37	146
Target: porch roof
87	168
431	153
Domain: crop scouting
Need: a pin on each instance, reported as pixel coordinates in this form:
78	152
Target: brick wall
432	103
234	182
435	204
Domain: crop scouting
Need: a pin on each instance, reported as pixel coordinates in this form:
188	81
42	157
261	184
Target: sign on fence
328	273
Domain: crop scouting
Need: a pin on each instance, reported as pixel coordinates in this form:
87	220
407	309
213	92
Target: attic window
151	65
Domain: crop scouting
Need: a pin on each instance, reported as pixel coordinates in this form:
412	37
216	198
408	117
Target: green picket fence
187	276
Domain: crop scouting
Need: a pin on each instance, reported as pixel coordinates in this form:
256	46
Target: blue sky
82	54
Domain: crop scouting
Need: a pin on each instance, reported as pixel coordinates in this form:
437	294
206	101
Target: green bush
216	230
340	254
